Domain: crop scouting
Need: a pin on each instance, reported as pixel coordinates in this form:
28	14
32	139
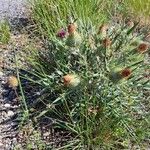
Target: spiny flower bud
143	47
74	39
71	80
103	30
72	28
106	42
125	73
12	81
119	74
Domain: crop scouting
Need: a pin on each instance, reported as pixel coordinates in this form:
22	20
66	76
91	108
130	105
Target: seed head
12	81
71	80
93	110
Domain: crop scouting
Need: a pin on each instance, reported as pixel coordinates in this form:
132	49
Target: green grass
51	15
139	7
4	32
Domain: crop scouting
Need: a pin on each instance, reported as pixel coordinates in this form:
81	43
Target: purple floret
61	33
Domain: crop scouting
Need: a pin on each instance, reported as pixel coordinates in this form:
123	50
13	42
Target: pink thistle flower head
61	33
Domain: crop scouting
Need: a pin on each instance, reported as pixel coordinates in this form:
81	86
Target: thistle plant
94	86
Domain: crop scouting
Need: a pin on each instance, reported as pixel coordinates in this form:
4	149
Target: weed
92	91
91	81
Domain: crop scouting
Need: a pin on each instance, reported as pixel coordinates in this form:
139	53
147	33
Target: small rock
38	93
3	82
7	146
1	145
7	105
1	74
10	113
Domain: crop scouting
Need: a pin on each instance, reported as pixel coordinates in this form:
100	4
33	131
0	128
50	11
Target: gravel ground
8	104
12	8
9	9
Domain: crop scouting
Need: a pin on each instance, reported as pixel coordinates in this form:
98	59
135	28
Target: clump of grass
4	32
50	15
137	9
90	86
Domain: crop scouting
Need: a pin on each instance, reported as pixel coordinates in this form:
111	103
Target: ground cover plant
82	67
92	84
90	79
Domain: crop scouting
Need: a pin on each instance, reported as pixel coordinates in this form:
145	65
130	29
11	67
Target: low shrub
93	82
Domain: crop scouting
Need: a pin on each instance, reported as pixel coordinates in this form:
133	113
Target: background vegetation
139	7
